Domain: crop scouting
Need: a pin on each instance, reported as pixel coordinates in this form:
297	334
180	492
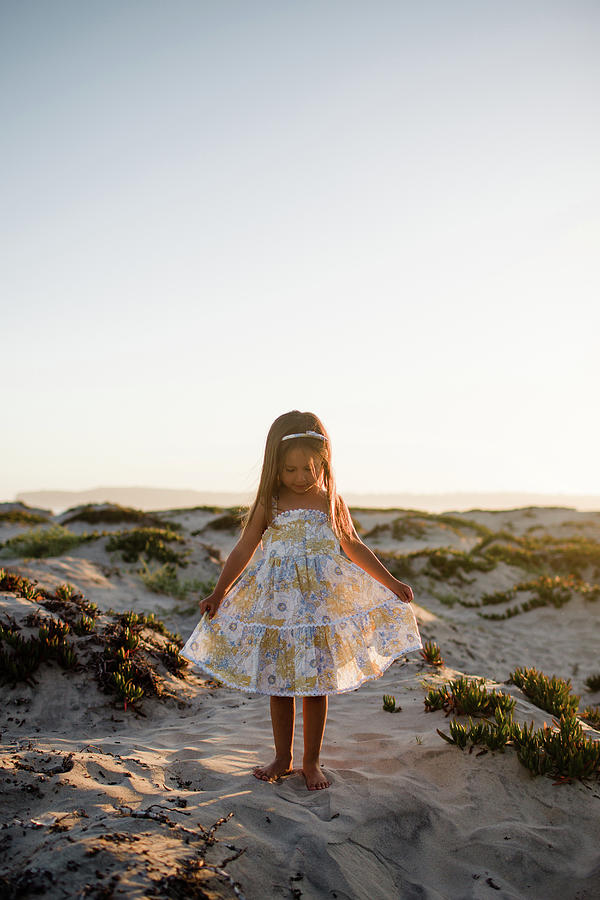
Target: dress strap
274	505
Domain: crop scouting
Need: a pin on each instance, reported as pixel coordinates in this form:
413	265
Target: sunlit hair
295	422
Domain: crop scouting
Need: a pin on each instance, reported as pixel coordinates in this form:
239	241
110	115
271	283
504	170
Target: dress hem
353	687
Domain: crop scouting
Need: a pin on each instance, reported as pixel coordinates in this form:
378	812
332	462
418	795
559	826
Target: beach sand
160	801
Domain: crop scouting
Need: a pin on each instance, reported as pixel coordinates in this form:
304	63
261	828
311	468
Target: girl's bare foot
314	777
275	770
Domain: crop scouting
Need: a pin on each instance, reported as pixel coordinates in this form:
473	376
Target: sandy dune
407	814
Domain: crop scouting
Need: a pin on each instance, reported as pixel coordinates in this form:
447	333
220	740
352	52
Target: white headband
312	434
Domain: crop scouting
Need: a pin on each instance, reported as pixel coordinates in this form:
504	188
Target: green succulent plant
389	704
432	654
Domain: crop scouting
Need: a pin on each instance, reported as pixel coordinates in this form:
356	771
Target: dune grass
43	542
546	555
164	580
114	512
152	542
21	517
444	564
416	524
448	598
230	520
546	590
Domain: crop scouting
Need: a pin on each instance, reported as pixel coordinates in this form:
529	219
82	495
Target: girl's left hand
404	592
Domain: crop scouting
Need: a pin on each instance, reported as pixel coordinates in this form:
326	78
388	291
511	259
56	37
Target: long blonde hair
292	423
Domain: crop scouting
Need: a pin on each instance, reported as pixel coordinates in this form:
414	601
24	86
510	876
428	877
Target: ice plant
432	654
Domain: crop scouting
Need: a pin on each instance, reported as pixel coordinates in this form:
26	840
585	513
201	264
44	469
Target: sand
407	815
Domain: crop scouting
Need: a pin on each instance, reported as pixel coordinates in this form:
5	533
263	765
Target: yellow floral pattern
302	620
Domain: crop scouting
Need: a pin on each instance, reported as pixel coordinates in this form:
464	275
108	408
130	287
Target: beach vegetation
173	659
561	750
441	564
65	591
432	654
128	691
554	695
592	682
464	696
557	568
547	590
84	625
43	542
230	520
448	563
401	528
126	664
591	715
389	704
415	524
26	655
494	736
574	555
447	598
152	542
458	523
113	513
21	517
150	620
66	600
164	580
13	583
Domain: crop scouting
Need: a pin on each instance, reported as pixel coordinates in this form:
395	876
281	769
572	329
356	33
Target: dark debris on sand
101	851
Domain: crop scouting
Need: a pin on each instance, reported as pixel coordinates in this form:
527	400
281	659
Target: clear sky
383	212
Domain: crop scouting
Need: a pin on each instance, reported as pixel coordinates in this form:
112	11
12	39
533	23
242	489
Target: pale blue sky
384	212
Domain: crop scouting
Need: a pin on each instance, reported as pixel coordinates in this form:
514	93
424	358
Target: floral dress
302	619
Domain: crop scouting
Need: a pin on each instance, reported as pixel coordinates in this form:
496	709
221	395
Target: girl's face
301	471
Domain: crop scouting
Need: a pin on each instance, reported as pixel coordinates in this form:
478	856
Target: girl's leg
283	710
314	711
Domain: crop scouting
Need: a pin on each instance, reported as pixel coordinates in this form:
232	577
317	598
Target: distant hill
147	498
144	498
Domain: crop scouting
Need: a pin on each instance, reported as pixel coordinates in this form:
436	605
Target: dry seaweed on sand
104	853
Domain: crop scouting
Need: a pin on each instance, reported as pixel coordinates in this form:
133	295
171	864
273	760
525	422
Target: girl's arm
360	554
237	561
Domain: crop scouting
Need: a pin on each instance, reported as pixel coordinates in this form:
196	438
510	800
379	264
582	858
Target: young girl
302	621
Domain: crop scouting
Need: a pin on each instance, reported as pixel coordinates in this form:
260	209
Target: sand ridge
407	815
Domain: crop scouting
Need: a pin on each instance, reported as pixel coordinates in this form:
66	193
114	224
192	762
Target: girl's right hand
210	605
